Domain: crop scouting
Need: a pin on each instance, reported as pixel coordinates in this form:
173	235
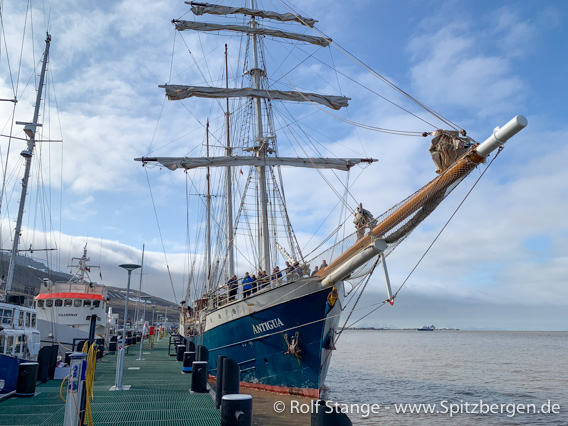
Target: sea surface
463	377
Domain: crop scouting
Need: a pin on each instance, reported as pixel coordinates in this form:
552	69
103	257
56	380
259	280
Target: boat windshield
6	316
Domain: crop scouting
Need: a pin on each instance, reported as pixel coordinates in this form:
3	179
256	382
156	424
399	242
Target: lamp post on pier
120	358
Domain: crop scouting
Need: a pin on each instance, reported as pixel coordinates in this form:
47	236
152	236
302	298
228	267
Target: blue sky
478	63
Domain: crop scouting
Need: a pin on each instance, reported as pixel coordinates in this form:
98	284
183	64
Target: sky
501	262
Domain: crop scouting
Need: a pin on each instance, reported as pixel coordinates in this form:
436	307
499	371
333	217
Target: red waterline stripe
306	392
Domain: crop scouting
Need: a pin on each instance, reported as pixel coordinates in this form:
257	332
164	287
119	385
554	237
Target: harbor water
438	377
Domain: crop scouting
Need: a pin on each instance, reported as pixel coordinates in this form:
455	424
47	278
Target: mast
208	215
229	189
264	260
29	129
260	146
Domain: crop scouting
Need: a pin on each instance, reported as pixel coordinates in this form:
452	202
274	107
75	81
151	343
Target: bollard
100	351
199	377
52	361
202	353
27	375
324	416
188	358
236	410
179	352
43	359
219	392
231	377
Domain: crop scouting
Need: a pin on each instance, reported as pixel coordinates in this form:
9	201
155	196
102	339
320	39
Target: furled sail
214	9
202	26
174	163
178	92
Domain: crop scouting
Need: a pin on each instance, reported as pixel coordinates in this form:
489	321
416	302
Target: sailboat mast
30	130
229	189
208	215
261	152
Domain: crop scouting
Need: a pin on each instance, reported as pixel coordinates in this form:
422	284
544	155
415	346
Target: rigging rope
434	241
448	221
161	238
359	297
380	77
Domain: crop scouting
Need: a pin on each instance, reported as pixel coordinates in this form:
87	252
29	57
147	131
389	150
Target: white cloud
108	59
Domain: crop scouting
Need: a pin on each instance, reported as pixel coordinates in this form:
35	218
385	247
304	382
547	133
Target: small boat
19	342
427	328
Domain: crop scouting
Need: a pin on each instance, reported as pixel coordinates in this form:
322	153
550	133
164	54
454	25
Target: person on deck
323	265
288	270
233	286
254	284
316	269
247	285
298	270
265	279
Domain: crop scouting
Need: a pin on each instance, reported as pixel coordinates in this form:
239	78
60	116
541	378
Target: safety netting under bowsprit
408	214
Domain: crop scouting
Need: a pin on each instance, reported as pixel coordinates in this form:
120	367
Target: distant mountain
30	273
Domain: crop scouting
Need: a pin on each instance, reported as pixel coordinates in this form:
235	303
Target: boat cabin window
9	345
21	319
58	302
19	344
77	303
87	303
27	321
40	303
2	342
6	316
34	321
48	303
68	302
96	303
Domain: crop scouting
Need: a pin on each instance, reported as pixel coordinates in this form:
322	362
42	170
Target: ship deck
159	395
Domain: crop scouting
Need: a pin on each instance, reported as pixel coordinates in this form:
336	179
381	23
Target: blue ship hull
9	368
260	341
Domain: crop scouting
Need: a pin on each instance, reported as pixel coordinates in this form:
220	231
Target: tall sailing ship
281	324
